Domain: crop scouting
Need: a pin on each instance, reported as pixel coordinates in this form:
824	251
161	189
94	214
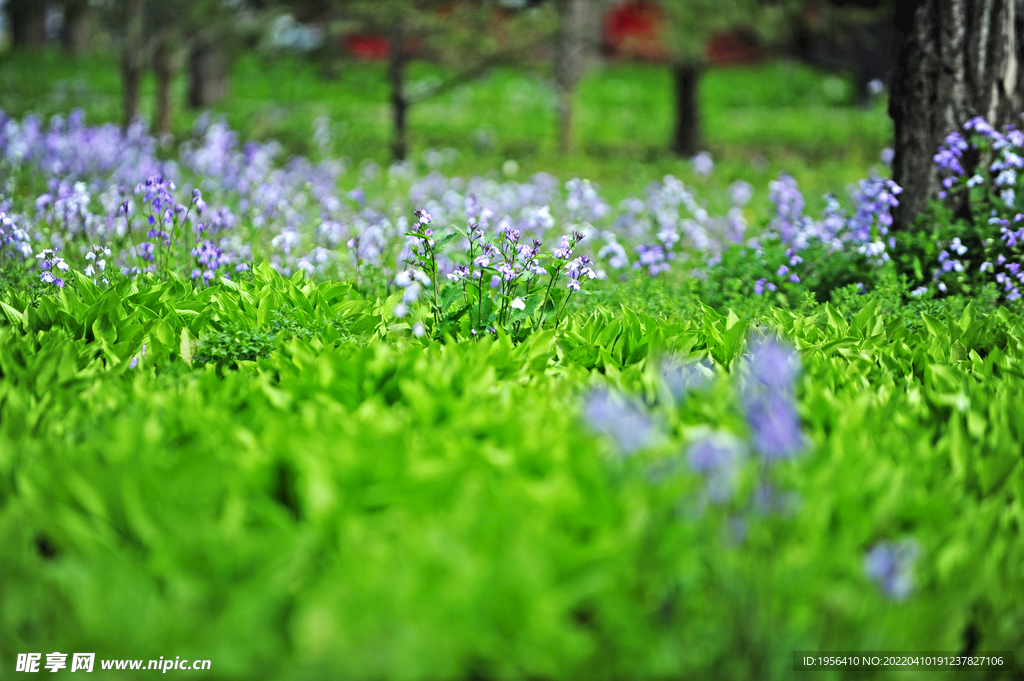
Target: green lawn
758	120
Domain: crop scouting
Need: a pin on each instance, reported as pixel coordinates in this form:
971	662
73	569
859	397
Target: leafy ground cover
264	474
310	418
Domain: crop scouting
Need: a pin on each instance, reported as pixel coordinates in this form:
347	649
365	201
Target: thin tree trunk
131	61
207	73
398	60
28	22
575	52
164	63
76	33
686	135
958	59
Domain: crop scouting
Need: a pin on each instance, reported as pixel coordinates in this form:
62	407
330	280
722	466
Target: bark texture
958	59
686	134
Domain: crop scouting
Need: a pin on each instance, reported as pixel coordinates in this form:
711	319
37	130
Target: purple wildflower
612	415
890	566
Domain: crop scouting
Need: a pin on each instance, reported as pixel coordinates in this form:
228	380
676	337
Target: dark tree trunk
28	22
208	73
398	59
686	135
76	33
166	67
958	59
131	60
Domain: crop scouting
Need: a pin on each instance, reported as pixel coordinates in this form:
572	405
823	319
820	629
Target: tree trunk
76	33
208	73
575	52
165	65
131	60
686	136
28	22
958	59
397	61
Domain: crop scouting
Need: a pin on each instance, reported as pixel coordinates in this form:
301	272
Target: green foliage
779	115
228	348
359	503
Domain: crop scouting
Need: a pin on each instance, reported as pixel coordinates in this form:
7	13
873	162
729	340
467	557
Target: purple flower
774	425
890	566
773	364
703	164
740	193
612	415
716	457
768	399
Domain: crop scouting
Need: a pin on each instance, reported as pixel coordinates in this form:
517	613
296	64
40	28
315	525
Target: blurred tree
131	15
169	26
691	24
957	59
471	36
576	51
160	33
27	19
77	30
856	37
208	25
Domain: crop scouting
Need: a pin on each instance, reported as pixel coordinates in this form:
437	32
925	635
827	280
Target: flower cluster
97	259
13	239
865	233
768	400
983	165
50	262
500	273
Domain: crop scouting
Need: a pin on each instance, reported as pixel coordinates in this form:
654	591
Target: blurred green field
758	120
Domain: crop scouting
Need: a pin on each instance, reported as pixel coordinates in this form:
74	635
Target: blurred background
618	91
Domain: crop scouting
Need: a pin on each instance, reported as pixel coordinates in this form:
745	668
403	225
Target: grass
757	120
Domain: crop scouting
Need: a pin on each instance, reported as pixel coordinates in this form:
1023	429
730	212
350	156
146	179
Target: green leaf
187	347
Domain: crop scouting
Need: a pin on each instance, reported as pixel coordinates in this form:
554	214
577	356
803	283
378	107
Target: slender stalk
437	290
480	300
547	295
558	317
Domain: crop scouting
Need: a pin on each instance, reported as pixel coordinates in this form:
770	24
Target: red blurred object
632	30
367	46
